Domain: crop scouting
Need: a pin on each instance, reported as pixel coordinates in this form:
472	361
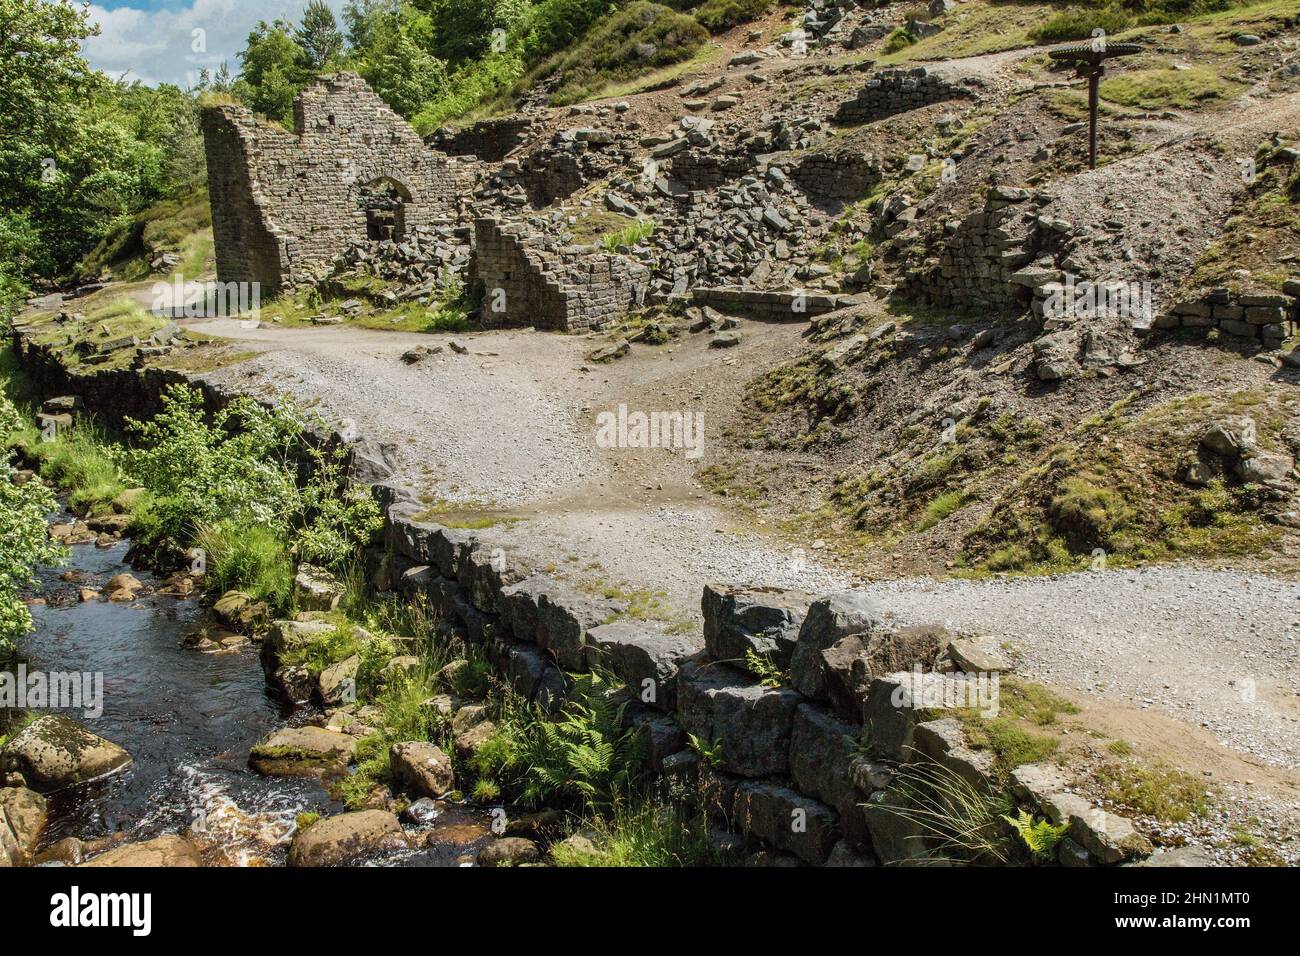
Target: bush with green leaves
240	468
23	541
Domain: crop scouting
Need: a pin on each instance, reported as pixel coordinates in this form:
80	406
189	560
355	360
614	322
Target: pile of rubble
415	266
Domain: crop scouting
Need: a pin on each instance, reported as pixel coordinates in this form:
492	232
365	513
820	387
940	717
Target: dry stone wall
284	205
1267	317
814	767
490	140
897	91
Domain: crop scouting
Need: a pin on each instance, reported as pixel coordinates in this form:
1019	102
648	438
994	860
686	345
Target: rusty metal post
1094	83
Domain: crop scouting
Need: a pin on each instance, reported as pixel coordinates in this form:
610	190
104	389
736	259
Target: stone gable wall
284	205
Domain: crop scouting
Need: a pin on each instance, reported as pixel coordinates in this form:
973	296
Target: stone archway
383	201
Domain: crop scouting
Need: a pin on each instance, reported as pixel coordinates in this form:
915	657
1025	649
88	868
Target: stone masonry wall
490	140
813	767
284	205
1262	316
844	174
696	170
897	91
571	288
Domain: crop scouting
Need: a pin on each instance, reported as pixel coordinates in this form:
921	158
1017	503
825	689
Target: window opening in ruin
384	202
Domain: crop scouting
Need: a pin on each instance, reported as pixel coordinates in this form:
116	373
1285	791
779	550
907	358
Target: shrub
629	235
23	542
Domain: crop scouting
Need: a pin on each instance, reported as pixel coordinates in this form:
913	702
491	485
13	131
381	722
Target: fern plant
586	754
1040	837
761	666
709	751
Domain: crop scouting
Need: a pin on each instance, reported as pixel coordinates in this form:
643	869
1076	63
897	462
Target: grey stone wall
490	140
698	170
284	205
841	174
527	281
980	255
897	91
1260	316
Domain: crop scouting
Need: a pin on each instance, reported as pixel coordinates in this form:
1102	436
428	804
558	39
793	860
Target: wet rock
337	840
164	851
68	852
303	752
422	812
56	752
315	589
509	851
23	814
421	768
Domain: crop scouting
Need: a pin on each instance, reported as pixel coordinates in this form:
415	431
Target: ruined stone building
284	205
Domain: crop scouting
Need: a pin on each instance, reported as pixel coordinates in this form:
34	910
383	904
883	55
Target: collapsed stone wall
526	281
284	205
890	92
490	140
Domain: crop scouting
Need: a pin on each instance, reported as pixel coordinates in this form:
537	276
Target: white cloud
161	46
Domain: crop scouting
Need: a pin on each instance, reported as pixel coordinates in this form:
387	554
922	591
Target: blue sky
156	40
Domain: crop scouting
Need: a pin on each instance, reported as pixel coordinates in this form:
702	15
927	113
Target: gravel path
1219	649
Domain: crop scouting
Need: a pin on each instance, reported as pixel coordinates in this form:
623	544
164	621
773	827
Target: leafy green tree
399	68
318	34
23	541
274	70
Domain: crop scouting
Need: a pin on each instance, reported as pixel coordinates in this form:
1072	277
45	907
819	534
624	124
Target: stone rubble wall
567	288
842	174
890	92
759	305
490	140
1260	316
284	205
983	254
697	170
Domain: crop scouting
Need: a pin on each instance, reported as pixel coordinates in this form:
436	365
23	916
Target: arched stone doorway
383	200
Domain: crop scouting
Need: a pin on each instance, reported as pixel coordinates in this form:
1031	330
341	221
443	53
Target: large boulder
752	724
56	752
338	682
421	768
315	589
303	752
509	851
822	750
851	663
23	814
642	656
564	615
898	835
340	839
785	818
830	619
763	620
164	851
